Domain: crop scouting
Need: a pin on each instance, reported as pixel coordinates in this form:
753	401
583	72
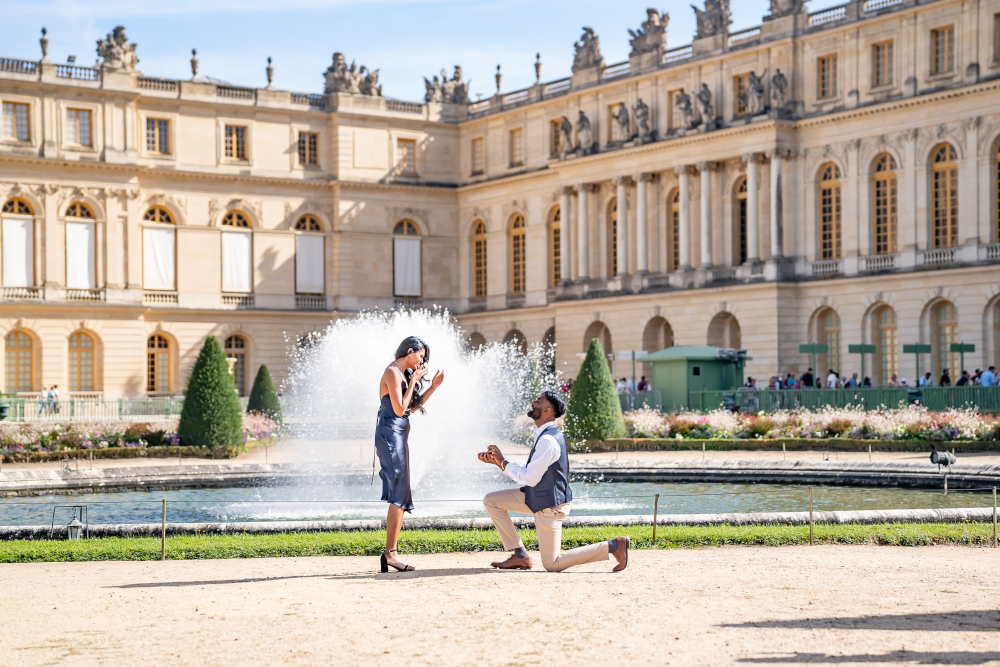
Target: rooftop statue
652	35
448	91
588	51
118	54
715	20
341	78
780	8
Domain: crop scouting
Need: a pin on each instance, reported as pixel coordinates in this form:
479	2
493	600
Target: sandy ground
361	452
794	605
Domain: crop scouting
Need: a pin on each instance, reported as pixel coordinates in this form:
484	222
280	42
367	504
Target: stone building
828	176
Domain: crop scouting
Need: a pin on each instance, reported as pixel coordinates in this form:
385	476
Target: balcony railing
827	267
310	302
404	107
85	295
22	293
311	99
677	55
159	298
831	15
165	85
723	275
876	5
880	263
554	88
938	256
18	66
744	38
516	98
74	72
991	252
235	92
515	300
617	70
477	303
238	301
408	302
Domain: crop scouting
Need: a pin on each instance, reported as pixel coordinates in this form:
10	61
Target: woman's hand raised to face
438	379
419	372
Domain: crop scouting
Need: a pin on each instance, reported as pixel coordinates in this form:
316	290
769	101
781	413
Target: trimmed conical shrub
211	416
264	395
595	412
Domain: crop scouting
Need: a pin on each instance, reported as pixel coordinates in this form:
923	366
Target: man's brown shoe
513	563
621	554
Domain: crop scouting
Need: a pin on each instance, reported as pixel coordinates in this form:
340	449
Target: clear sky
404	39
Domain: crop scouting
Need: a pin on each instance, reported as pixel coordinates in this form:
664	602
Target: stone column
684	224
753	230
582	239
777	203
565	234
706	169
622	183
642	223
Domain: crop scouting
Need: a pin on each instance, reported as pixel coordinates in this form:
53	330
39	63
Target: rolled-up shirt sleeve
547	452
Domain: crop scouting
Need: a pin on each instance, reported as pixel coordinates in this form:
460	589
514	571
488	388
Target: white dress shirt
547	452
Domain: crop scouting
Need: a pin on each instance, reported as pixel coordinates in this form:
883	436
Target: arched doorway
476	341
724	331
517	338
600	331
657	336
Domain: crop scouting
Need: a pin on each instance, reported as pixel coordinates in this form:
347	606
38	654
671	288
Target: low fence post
163	532
994	517
783	456
810	516
656	511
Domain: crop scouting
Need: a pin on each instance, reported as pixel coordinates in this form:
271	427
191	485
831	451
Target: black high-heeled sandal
385	563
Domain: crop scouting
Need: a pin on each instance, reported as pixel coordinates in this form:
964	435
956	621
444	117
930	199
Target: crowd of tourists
48	400
835	380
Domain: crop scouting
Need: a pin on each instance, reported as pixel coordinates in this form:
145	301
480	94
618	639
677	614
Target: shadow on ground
958	621
917	657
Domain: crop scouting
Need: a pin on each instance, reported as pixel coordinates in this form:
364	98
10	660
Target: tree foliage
594	413
211	416
264	395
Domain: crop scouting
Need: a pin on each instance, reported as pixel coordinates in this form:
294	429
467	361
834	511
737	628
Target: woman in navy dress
399	395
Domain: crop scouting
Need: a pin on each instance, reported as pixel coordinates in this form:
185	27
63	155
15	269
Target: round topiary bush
211	416
594	412
264	396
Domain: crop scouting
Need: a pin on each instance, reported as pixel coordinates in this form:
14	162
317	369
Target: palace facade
824	177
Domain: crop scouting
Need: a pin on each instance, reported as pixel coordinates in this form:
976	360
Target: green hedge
139	452
797	444
594	409
212	416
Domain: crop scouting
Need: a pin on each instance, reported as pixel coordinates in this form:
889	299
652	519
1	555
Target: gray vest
553	488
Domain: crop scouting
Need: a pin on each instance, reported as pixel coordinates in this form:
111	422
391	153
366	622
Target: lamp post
862	350
916	350
962	348
814	349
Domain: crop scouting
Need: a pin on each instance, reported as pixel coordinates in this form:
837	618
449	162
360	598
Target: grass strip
247	545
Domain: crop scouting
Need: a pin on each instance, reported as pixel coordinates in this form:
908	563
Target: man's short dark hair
556	401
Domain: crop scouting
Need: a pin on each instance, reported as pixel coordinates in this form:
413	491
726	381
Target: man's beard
535	413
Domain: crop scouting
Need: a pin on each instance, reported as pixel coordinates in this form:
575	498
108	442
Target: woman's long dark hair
414	344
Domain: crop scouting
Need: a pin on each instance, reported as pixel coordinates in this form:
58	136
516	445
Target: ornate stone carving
779	88
652	35
51	188
715	20
753	96
707	108
780	8
584	137
624	123
448	91
684	169
747	158
341	78
118	54
707	166
642	129
588	51
686	109
565	136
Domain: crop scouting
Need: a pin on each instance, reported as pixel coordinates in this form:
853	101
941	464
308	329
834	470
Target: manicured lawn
444	541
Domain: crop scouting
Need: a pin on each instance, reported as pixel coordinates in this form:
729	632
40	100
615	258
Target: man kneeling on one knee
546	495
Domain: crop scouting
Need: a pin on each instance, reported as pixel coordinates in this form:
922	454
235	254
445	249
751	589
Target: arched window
740	215
613	238
829	333
406	259
158	214
235	219
476	341
236	348
602	333
479	260
555	249
724	331
17	231
829	212
517	338
18	361
885	204
159	375
947	325
945	190
81	362
674	238
996	192
888	345
308	223
81	247
17	207
518	265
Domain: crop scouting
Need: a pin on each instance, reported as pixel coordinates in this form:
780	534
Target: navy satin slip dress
391	446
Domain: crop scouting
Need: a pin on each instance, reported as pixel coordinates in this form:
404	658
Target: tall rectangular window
827	77
943	50
740	84
78	127
516	148
556	144
157	136
236	142
478	157
406	155
882	61
308	149
674	117
15	121
996	37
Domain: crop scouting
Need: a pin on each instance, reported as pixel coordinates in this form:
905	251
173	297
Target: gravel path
794	605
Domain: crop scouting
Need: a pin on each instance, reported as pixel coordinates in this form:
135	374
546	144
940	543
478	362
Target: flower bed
43	441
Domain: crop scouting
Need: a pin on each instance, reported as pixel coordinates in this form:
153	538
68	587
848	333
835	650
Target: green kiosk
681	369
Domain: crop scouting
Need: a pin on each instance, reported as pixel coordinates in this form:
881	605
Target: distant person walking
806	381
832	380
54	398
43	400
945	379
989	378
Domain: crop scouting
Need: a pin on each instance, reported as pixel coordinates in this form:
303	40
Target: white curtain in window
18	252
309	273
80	256
237	262
158	259
406	267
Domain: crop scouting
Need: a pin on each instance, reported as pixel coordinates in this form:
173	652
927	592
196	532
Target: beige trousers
548	526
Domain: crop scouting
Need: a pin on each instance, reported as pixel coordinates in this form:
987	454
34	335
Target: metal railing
640	399
404	107
985	399
77	408
74	72
617	70
677	55
744	37
18	66
829	15
165	85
